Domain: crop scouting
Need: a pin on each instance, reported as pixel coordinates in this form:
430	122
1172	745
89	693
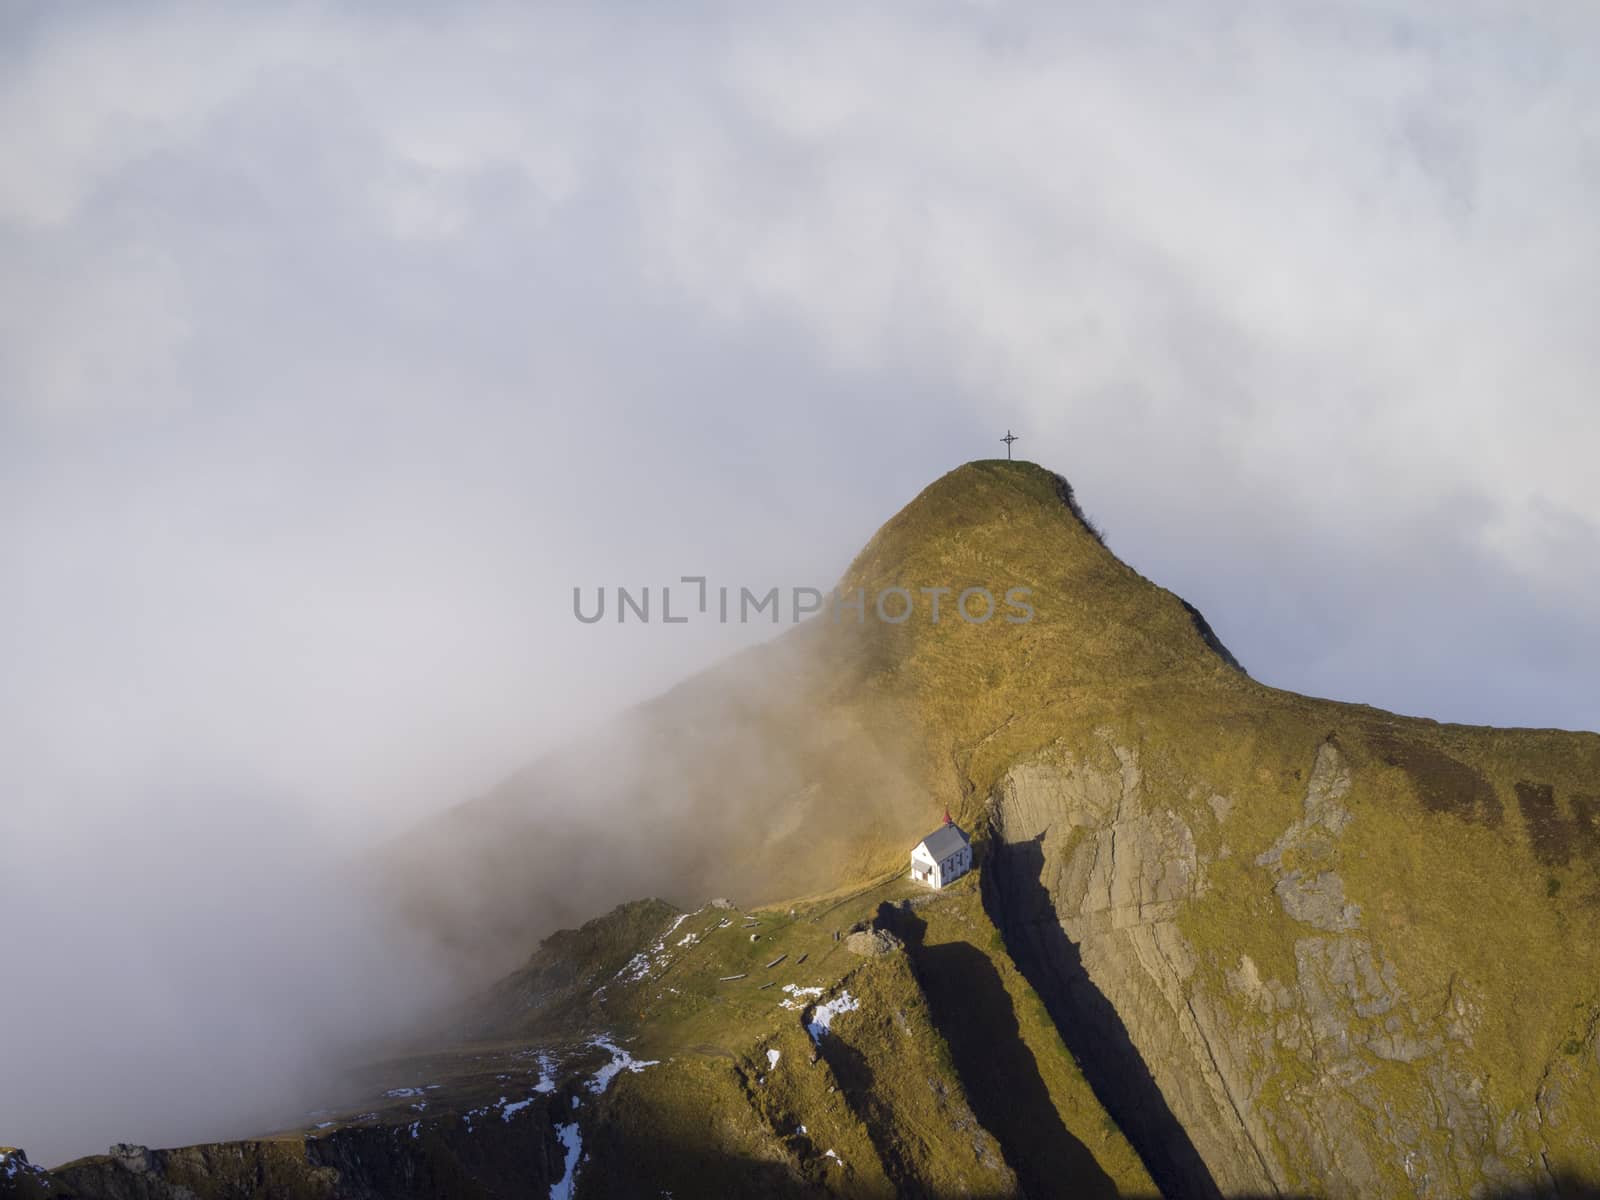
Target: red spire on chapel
947	819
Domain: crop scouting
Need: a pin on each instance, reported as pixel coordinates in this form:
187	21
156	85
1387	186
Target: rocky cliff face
1341	1062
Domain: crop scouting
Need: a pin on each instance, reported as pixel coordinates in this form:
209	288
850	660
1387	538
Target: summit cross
1008	439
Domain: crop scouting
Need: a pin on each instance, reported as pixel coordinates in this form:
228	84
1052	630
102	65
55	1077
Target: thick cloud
337	345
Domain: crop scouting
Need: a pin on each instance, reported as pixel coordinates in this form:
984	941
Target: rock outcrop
1336	1071
1089	883
19	1178
870	942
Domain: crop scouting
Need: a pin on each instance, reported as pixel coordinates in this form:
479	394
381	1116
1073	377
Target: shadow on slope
1018	903
975	1013
858	1083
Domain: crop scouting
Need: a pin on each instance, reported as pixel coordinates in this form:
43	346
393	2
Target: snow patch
509	1110
572	1140
14	1163
641	964
638	967
772	1058
822	1016
547	1078
673	928
621	1061
798	995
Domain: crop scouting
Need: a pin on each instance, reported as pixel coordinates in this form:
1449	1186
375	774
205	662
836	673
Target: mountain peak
1000	528
984	495
1182	863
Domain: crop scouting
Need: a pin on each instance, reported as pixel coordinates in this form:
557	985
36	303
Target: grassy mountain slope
1224	939
1349	949
805	764
711	1052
